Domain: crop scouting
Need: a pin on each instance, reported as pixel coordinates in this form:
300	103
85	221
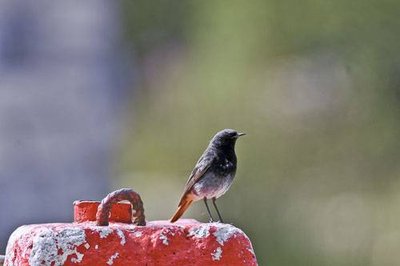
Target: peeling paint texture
122	236
164	239
47	243
200	231
103	231
217	254
44	245
223	233
186	242
112	258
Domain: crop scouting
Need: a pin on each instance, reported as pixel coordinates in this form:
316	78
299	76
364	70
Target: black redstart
213	174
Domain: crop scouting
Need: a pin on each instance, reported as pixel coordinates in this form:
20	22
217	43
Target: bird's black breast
224	165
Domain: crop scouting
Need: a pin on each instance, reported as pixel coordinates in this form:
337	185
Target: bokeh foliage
315	84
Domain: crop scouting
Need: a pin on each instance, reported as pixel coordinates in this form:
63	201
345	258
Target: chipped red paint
186	242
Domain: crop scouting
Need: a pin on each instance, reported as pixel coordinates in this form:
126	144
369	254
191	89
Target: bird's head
226	137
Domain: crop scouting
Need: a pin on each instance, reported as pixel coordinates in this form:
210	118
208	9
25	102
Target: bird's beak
241	134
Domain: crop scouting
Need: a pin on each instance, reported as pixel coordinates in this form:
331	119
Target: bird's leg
215	205
208	210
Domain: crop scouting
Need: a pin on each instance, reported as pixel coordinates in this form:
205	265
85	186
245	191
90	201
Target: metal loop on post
103	211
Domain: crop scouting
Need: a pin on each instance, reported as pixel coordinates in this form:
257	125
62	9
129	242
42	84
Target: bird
213	174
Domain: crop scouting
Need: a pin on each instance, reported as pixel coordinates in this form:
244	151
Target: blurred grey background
63	80
103	95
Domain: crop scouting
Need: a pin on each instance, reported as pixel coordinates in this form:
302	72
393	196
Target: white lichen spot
223	233
112	258
164	239
53	248
217	254
96	247
200	232
78	259
138	234
87	246
104	231
122	236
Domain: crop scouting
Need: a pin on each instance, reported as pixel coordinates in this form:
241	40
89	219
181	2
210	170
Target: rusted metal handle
103	211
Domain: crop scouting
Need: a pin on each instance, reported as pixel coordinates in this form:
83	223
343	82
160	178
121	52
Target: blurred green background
314	84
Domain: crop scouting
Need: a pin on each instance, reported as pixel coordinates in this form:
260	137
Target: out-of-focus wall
63	80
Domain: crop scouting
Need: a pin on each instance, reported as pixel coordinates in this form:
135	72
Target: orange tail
185	203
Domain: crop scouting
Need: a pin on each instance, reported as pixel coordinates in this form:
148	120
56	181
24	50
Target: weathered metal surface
103	211
103	234
186	242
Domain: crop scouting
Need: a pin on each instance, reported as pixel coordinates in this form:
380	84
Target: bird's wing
199	170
